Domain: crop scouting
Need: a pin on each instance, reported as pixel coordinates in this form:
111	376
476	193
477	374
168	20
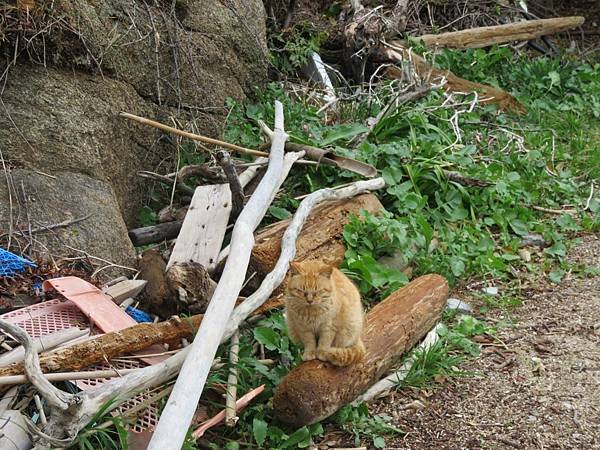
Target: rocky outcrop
85	61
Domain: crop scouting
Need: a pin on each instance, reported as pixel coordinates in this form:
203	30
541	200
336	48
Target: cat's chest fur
312	318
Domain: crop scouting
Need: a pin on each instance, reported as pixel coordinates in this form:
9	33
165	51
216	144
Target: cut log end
315	390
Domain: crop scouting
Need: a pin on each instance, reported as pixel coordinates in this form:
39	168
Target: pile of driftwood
208	279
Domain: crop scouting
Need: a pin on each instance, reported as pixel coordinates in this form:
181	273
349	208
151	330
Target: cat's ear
296	268
326	270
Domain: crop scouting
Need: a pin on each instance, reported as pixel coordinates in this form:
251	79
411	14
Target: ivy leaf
457	267
554	78
519	227
345	131
556	275
300	437
267	337
379	442
259	429
279	213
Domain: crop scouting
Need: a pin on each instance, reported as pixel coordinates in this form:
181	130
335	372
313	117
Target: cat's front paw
309	355
322	355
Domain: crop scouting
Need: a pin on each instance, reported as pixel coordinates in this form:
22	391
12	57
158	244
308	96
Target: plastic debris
138	315
11	264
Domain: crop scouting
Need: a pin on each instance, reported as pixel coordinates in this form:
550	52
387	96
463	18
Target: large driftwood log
315	390
500	34
109	345
179	410
320	238
454	83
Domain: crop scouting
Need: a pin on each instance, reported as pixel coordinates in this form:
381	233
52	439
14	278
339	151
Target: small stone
568	406
533	239
492	290
525	255
459	306
416	405
538	367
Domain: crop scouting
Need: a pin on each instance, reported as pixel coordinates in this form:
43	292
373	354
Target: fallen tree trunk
315	390
500	34
109	345
320	238
397	53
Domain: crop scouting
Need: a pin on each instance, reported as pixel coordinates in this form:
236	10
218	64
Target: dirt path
541	391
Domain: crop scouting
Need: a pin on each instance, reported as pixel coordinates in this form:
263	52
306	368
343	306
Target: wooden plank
203	228
125	289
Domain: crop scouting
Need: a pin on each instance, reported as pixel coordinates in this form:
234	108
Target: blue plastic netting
11	263
138	315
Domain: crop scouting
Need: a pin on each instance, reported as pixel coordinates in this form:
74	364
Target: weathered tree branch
168	181
56	398
398	53
179	410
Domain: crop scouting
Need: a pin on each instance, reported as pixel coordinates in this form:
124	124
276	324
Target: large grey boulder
83	63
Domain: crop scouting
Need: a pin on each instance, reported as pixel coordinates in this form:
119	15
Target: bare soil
536	387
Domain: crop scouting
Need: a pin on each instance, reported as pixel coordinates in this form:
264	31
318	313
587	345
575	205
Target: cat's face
309	285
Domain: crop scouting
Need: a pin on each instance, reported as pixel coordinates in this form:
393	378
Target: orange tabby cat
324	313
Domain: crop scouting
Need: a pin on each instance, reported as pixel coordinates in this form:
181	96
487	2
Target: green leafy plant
358	421
292	48
103	431
442	359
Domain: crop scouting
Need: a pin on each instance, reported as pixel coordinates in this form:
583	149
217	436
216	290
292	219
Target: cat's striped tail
345	356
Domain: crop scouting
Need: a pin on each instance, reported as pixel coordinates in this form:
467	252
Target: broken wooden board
204	226
125	289
314	390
